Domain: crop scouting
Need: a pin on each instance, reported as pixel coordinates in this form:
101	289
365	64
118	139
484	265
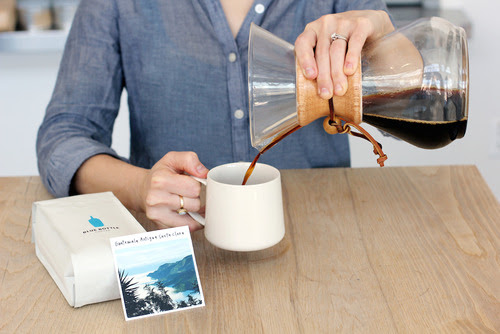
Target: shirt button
232	57
239	114
259	8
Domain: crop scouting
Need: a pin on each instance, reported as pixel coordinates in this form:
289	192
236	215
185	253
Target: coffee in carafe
409	115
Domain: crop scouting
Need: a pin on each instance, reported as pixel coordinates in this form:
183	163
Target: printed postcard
157	272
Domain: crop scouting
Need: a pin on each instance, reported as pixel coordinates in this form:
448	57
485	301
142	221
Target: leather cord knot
336	122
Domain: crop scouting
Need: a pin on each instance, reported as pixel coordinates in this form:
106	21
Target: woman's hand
154	191
331	62
163	185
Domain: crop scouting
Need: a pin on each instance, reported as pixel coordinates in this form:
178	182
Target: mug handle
195	215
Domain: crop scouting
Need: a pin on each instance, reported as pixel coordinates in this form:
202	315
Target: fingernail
309	72
324	93
349	66
338	89
201	168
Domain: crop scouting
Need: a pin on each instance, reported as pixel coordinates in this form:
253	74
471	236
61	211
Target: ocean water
143	280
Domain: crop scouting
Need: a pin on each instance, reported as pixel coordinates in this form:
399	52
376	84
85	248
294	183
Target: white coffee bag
71	237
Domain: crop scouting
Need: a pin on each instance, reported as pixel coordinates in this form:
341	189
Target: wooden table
377	250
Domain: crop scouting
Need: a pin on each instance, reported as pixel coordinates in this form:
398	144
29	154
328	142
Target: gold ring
336	36
181	210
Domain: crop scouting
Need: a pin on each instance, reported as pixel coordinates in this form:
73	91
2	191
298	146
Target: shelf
33	41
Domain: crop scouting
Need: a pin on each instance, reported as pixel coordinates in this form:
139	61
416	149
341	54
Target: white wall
484	109
26	84
27	80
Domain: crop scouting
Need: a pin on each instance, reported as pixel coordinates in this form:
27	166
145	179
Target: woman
183	64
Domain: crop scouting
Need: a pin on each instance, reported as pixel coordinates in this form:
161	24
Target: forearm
105	173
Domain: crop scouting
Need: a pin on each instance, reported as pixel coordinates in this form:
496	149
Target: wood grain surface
375	250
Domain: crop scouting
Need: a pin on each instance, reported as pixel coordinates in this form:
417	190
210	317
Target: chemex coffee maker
412	83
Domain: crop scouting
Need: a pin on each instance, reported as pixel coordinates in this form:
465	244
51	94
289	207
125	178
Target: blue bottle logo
96	222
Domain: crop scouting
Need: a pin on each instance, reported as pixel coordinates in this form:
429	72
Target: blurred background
33	33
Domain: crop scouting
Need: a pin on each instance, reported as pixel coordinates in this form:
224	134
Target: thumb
185	162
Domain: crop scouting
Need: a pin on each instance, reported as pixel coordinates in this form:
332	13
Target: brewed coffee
427	118
424	134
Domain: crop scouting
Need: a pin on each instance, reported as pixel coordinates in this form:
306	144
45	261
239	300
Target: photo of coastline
158	276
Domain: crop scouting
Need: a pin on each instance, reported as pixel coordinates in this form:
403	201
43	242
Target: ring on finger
181	211
336	36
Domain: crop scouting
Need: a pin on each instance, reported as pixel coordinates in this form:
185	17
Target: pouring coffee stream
332	122
274	142
412	83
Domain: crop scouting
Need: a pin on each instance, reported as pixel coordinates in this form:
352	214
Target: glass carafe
413	84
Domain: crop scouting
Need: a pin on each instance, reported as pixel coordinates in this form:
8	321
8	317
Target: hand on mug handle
167	190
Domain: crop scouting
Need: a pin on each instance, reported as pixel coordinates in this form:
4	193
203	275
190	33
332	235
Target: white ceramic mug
243	218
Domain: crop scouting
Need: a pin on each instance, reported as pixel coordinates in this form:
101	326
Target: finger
304	52
183	185
190	204
337	58
169	195
324	79
185	162
166	218
356	42
165	180
173	201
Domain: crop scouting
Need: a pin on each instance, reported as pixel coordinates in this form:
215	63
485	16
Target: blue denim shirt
186	79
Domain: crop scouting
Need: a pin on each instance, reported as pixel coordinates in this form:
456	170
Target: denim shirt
186	79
